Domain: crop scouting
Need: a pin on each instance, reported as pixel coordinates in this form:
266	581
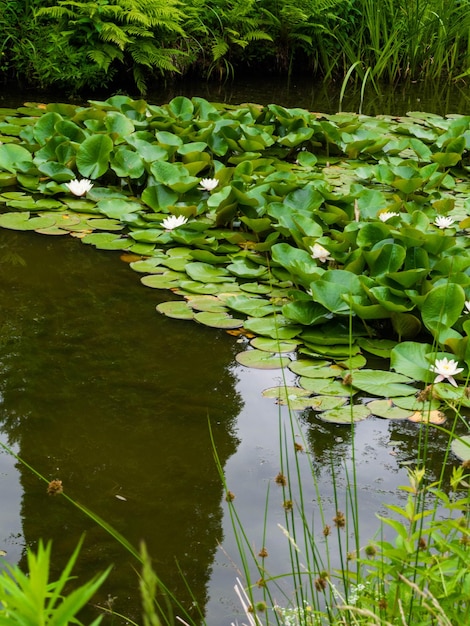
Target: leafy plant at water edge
32	599
132	33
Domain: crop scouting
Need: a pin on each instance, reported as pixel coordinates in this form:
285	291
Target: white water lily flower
446	369
169	223
208	184
443	222
467	307
386	215
320	253
79	187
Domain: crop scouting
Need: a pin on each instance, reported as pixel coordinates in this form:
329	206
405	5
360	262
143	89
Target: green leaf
260	359
384	384
93	156
206	273
387	410
177	309
346	415
15	158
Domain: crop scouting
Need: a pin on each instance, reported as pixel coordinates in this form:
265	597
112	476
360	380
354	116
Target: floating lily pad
148	266
345	415
217	320
454	395
378	347
272	345
461	447
274	327
326	403
387	410
177	309
257	288
326	386
23	221
206	303
314	369
384	384
412	403
106	241
167	280
105	224
261	360
285	392
193	286
207	273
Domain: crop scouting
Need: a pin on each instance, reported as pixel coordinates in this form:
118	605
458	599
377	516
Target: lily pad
217	320
177	309
461	447
383	384
285	392
326	386
274	327
261	360
387	410
345	415
314	369
272	345
206	303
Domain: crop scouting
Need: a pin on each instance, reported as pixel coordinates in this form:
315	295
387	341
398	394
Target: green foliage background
75	45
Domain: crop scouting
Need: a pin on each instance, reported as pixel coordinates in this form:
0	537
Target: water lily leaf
105	224
217	320
453	395
414	404
167	280
207	273
428	417
410	358
194	286
378	347
93	156
7	180
316	403
23	221
272	345
387	410
275	327
117	208
262	360
346	415
334	352
107	241
384	384
14	158
314	369
326	386
148	266
284	392
56	171
244	268
177	309
256	288
127	163
461	447
206	303
254	307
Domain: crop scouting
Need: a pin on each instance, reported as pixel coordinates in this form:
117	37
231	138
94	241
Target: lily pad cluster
331	238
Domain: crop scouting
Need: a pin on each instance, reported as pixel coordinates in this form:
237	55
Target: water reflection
113	399
301	91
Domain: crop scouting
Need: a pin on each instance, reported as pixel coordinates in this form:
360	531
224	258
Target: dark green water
100	391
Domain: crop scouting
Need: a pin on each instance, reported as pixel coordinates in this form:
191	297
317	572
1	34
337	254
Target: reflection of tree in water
113	399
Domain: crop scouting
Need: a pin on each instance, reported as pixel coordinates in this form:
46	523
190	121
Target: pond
120	403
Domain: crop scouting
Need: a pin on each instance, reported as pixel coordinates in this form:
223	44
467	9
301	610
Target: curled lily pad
217	320
387	410
461	447
345	415
177	309
262	360
414	404
272	345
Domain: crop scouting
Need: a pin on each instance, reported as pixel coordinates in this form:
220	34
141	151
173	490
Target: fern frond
219	49
113	33
257	35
